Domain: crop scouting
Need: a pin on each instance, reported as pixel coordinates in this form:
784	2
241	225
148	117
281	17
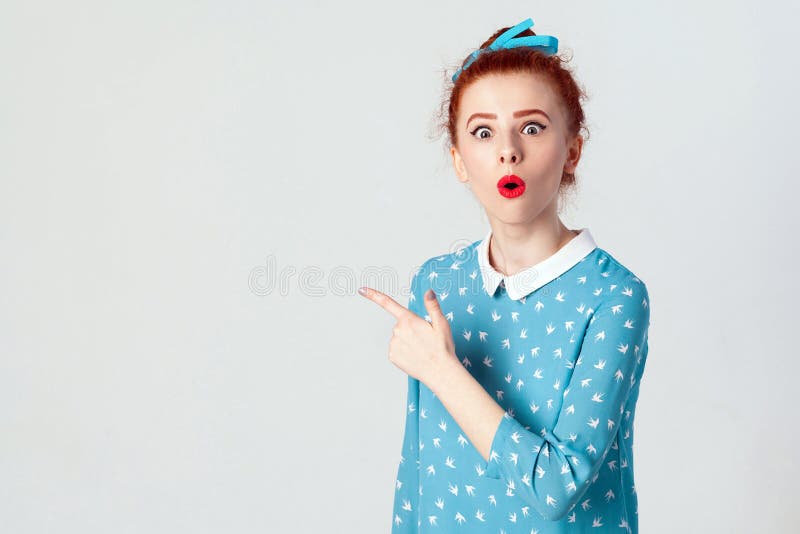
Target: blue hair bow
547	44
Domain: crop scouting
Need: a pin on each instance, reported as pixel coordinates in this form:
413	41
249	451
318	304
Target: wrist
441	370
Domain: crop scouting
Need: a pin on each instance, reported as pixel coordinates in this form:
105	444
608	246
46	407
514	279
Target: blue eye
473	132
539	126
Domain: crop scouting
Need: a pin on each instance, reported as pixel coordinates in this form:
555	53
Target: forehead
505	93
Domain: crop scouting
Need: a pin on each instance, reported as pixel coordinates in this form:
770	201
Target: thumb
435	311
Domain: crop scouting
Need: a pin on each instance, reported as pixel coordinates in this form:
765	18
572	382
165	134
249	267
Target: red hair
520	59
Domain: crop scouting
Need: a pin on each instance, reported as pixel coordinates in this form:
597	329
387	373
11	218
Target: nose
509	155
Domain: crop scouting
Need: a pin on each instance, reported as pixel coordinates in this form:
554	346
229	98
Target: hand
417	347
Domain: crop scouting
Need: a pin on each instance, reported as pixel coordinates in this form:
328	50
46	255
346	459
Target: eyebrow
517	114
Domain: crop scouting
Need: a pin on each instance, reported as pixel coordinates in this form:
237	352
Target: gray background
190	193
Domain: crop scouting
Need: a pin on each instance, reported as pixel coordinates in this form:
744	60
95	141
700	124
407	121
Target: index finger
385	301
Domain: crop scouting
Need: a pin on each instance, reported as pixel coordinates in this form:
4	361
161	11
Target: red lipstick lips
511	186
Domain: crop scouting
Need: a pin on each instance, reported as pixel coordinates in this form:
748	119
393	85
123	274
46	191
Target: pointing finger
384	301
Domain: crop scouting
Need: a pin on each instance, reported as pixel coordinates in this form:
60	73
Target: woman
525	349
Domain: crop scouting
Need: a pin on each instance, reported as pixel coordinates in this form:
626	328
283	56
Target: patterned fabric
565	361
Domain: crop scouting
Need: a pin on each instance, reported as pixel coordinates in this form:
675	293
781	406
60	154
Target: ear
458	165
573	154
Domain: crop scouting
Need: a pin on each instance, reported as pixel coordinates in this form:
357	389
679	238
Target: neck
514	247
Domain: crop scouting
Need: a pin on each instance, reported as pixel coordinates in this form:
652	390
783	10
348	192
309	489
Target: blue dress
561	346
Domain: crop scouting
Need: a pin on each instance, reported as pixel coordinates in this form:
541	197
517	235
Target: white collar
532	278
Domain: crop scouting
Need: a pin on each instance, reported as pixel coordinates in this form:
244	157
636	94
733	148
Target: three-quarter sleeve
406	501
552	468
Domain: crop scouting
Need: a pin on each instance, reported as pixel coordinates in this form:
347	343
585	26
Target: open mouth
511	186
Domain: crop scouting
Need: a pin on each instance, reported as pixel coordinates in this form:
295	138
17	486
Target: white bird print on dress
437	442
487	361
453	488
520	383
479	516
618	375
557	354
550	328
539	305
580	308
521	358
549	404
500	394
537	373
473	274
535	352
450	462
467	334
466	362
492	500
568	325
598	291
526	479
406	505
506	343
597	521
610	424
470	307
534	407
524	511
523	334
585	505
512	516
443	425
571	409
432	519
495	316
508	378
582	279
462	440
591	450
601	364
515	316
600	335
585	382
627	292
622	348
440	503
610	495
593	422
560	296
431	470
470	489
597	397
571	486
462	291
617	308
540	471
460	519
550	501
482	335
557	384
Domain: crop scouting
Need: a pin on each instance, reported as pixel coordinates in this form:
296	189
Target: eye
539	126
478	129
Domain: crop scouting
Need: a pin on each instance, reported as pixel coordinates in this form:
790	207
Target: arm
552	469
404	517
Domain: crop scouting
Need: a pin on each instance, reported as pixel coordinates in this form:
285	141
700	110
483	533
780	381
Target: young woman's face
513	125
